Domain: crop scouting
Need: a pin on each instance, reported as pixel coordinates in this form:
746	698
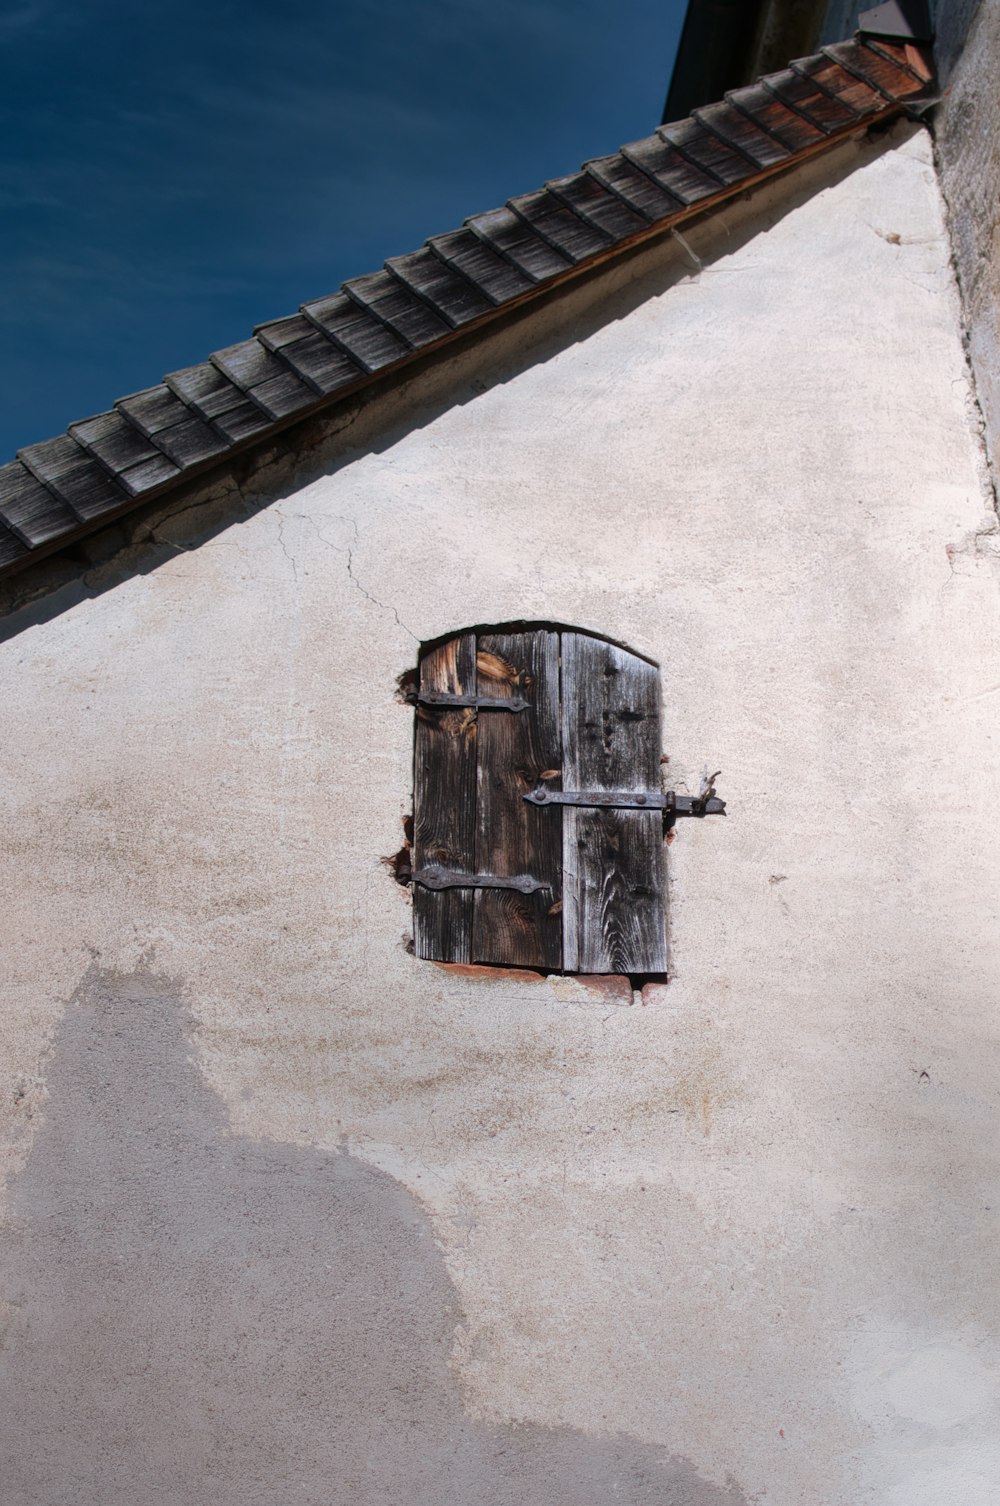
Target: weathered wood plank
114	440
362	335
613	882
497	278
598	204
30	510
777	119
684	179
444	814
72	474
712	154
512	238
205	388
391	301
513	837
438	283
741	132
191	442
574	236
635	186
803	96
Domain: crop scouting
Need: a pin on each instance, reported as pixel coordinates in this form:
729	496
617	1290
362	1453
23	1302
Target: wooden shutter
591	895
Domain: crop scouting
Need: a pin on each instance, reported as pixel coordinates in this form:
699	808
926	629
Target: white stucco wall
752	1219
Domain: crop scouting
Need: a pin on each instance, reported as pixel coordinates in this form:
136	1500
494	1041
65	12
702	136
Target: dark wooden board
283	395
248	364
11	547
114	440
362	335
598	204
447	290
30	509
741	132
635	186
613	883
889	78
802	94
277	333
148	474
498	279
444	815
321	363
830	76
190	442
513	837
156	408
773	116
710	152
685	180
512	238
397	306
73	475
575	237
207	390
242	421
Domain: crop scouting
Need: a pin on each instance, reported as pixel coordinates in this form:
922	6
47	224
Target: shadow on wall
193	1316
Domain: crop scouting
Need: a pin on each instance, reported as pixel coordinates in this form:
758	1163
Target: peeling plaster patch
191	1315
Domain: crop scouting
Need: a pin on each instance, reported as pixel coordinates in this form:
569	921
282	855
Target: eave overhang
194	421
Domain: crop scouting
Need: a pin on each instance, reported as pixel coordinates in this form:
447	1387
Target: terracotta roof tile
191	420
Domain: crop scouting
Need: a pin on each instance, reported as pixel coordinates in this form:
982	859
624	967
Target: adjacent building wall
292	1215
967	128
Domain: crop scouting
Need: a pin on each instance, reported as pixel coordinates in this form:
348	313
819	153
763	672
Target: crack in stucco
382	605
347	551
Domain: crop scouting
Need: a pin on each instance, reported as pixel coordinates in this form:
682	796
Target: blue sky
176	173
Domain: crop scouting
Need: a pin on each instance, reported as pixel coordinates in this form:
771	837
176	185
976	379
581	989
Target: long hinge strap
678	805
447	878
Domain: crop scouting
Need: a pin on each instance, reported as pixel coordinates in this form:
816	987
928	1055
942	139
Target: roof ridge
296	364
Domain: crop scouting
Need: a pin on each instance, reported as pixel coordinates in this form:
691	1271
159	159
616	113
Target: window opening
539	814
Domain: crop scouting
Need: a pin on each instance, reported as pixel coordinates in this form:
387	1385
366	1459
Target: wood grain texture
73	475
635	187
709	151
829	75
319	362
359	333
513	837
740	131
685	180
444	815
114	440
780	120
190	442
613	883
497	278
391	301
449	292
802	94
205	388
30	510
513	239
571	234
598	204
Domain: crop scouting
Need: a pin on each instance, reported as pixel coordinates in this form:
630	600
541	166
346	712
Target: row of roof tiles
63	487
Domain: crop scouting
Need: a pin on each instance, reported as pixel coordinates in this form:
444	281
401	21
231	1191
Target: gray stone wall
967	129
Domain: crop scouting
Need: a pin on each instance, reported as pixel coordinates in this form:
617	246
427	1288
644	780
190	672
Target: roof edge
197	420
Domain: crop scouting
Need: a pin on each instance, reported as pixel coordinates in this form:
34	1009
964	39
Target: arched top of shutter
561	715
